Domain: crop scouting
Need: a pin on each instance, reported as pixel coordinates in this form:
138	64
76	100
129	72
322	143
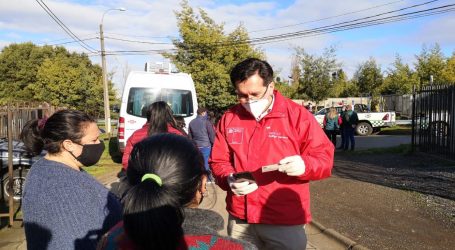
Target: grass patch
396	130
401	149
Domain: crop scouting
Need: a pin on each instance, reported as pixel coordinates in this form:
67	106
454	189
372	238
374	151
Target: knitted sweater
66	209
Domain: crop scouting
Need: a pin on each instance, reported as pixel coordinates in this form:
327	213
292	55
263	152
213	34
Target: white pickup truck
369	122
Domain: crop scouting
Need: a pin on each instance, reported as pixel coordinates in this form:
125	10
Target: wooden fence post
10	166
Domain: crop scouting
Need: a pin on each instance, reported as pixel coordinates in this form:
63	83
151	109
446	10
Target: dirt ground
389	201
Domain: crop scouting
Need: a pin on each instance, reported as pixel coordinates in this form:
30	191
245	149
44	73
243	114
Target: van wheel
363	129
18	184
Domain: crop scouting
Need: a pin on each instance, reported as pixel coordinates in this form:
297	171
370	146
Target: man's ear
68	145
272	85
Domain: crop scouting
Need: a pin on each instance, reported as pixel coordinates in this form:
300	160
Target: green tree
368	77
400	79
208	54
430	62
348	89
52	74
284	88
448	74
71	82
315	82
19	64
342	86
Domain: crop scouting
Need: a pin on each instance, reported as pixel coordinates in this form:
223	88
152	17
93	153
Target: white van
144	88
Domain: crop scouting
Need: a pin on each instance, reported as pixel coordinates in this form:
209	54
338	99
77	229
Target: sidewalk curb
350	244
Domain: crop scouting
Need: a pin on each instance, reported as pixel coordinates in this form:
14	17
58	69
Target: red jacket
243	144
136	137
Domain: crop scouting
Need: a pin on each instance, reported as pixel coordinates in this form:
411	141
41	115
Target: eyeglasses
245	98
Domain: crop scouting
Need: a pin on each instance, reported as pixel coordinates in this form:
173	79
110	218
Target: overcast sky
152	24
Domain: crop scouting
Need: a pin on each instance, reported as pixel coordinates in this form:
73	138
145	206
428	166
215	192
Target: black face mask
91	154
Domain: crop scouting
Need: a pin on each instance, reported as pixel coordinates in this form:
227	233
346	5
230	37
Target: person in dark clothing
202	133
343	109
350	120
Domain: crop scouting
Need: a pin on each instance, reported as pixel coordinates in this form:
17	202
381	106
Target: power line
151	37
136	41
360	25
86	39
326	18
365	18
66	39
64	27
342	26
350	24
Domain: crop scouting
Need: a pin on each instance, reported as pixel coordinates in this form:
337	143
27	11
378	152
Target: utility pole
107	111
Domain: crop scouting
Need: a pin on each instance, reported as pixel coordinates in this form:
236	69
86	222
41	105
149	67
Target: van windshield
179	100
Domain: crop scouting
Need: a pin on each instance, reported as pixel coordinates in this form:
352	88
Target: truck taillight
386	117
121	128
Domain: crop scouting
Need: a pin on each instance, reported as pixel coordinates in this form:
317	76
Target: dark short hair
248	68
62	125
201	110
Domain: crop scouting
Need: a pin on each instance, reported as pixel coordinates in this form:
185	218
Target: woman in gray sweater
63	206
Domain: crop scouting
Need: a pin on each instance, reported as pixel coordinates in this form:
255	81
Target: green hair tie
154	177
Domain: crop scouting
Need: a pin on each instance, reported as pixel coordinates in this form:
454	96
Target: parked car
369	122
22	161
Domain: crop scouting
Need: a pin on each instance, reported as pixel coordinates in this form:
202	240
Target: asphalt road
378	141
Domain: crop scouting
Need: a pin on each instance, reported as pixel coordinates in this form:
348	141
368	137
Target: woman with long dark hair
167	182
159	120
63	206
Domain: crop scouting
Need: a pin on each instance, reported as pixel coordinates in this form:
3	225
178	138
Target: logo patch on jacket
277	135
235	135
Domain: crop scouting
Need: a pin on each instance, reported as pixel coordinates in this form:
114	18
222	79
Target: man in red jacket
266	129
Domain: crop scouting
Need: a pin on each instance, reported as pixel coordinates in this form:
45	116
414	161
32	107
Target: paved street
379	141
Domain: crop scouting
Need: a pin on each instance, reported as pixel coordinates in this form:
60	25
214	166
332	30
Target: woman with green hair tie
167	181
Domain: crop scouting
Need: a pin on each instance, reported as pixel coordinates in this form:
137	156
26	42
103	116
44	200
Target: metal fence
434	120
401	104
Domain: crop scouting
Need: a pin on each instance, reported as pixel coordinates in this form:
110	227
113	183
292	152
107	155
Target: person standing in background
350	120
159	120
332	123
201	131
342	135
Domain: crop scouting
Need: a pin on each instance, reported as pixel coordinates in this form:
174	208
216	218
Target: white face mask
256	107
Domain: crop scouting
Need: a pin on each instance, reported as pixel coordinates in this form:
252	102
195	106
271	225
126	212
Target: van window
179	100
